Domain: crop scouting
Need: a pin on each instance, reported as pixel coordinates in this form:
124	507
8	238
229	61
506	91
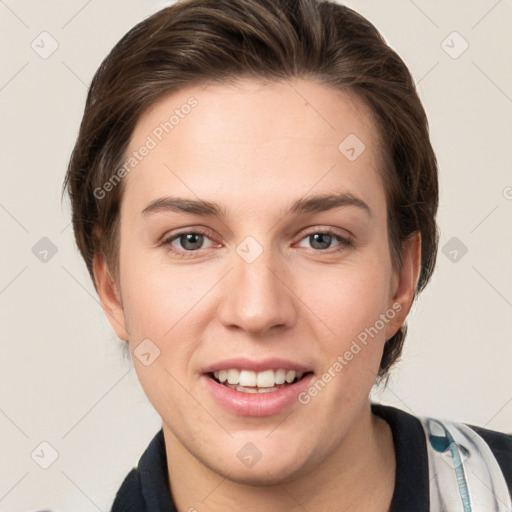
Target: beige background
62	379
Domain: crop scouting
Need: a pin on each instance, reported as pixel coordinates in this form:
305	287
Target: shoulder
458	463
129	496
475	442
146	487
500	445
468	463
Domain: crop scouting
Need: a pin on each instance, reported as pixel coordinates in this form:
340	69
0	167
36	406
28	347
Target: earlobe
405	283
110	297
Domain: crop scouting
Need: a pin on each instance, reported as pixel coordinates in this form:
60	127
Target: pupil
194	239
323	239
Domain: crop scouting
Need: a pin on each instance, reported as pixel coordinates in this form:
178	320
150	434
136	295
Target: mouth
266	381
250	386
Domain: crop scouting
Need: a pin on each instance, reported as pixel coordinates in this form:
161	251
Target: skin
255	148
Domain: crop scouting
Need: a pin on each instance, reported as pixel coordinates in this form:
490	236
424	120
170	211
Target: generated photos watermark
343	360
151	142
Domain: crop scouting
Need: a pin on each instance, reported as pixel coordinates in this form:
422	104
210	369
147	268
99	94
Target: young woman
254	193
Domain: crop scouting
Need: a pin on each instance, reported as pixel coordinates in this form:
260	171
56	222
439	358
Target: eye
191	241
322	240
186	242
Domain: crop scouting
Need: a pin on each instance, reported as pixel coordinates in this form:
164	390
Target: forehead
240	141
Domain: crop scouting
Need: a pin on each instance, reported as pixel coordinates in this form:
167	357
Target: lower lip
256	404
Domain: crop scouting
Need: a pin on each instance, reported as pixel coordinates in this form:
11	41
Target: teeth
246	390
266	379
280	376
248	379
290	376
233	376
255	390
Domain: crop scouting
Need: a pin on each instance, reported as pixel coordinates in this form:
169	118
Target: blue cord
441	444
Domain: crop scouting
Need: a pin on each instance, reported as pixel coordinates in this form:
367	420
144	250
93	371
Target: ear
110	297
404	283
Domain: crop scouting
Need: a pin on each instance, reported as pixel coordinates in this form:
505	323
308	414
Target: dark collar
411	479
146	488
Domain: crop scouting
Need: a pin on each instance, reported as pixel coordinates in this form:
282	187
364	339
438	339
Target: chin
250	466
263	474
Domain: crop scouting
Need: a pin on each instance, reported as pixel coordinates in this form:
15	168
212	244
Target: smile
251	386
248	381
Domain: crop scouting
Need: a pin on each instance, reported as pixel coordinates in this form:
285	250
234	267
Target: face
256	309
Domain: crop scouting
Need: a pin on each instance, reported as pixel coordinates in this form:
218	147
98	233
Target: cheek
349	297
166	304
348	303
160	305
154	298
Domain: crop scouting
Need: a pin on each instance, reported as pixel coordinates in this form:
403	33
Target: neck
359	475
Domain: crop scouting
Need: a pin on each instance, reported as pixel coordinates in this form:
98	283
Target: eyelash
167	243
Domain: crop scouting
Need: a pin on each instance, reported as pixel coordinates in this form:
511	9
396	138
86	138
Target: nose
257	296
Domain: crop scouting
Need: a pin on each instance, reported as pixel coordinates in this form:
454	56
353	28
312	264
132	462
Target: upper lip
244	363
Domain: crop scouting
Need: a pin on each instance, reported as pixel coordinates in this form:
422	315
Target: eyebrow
310	204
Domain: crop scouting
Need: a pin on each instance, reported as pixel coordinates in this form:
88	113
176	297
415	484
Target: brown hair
200	41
